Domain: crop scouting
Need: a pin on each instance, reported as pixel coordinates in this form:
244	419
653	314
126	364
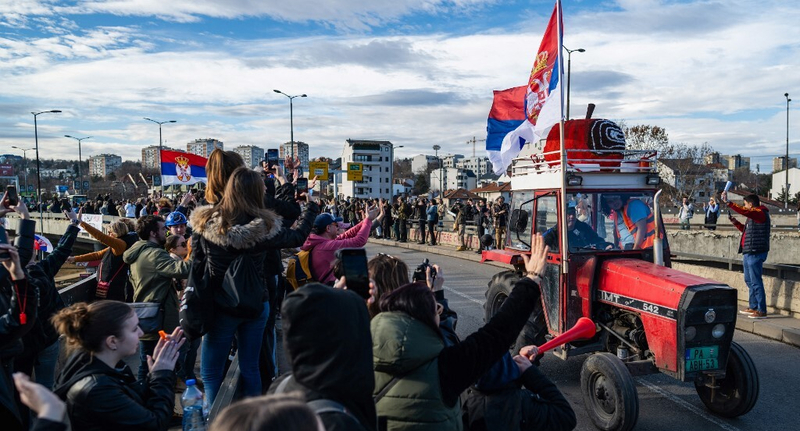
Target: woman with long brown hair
234	235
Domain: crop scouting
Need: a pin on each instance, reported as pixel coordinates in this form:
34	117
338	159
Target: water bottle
192	403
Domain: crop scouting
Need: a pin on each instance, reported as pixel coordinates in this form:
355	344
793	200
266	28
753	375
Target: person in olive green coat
152	270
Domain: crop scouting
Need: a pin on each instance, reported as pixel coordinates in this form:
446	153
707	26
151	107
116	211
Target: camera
419	273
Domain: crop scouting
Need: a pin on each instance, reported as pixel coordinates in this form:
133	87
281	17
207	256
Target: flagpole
564	236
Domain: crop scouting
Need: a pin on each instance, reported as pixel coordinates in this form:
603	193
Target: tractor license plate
702	358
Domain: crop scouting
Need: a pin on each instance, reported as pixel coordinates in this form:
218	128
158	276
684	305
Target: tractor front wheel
737	393
609	393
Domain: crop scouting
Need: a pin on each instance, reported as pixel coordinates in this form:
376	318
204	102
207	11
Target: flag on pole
542	107
182	168
507	113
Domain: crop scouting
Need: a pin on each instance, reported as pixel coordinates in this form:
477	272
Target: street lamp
159	146
38	165
80	174
569	67
786	201
291	117
436	148
24	162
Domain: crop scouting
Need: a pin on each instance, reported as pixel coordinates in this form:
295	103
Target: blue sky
416	72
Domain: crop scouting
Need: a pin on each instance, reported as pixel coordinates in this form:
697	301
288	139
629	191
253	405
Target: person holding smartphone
325	240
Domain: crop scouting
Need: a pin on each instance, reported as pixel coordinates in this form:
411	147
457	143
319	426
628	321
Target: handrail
780	267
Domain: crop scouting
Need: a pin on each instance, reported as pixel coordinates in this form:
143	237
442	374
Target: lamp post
291	117
80	160
436	148
38	164
159	146
569	70
786	201
24	162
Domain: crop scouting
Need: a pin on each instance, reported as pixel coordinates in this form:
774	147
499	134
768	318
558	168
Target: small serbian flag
43	244
507	113
182	168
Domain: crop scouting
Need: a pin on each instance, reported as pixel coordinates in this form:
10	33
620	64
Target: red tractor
607	262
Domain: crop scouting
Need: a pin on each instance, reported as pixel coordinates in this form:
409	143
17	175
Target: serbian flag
182	168
543	101
507	113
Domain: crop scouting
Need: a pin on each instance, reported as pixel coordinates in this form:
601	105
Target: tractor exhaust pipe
658	246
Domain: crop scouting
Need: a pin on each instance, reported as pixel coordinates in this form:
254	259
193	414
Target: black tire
609	393
738	391
534	331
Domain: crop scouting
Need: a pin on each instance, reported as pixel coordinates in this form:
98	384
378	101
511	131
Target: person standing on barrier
712	214
500	215
754	247
231	241
432	218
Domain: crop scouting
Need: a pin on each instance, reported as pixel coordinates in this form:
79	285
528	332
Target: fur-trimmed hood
240	237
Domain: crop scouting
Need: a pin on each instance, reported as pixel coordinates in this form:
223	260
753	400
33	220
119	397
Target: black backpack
243	289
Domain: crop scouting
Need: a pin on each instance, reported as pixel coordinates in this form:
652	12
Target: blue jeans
146	348
45	367
753	266
217	345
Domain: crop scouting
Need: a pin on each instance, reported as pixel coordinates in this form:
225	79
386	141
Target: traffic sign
318	170
355	172
85	185
30	187
76	185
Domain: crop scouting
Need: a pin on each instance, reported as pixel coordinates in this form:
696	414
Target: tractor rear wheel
500	287
737	393
609	393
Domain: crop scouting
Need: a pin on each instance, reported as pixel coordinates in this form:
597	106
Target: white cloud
722	84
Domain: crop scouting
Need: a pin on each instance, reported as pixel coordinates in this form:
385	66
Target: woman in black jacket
230	240
100	390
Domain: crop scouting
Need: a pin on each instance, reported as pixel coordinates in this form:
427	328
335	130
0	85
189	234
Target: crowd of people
208	271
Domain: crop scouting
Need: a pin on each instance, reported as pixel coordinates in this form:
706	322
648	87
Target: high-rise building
735	161
451	160
779	163
251	154
423	162
104	164
203	147
479	165
300	150
376	159
452	179
151	159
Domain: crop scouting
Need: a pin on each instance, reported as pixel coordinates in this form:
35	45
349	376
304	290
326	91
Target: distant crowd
209	270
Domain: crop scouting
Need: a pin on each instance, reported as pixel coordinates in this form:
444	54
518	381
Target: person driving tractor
579	234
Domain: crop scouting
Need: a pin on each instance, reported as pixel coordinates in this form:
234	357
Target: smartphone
354	263
272	156
4	240
302	185
11	195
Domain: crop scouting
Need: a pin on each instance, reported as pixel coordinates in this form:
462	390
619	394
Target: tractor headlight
690	333
718	330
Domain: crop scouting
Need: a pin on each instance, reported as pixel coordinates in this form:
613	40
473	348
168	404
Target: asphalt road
664	403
